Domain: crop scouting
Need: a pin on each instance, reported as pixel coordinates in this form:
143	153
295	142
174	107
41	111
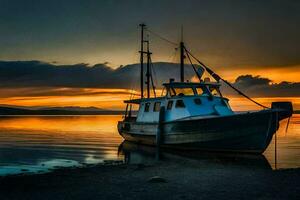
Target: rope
218	78
194	68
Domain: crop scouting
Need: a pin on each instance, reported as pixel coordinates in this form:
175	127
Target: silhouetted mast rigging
142	60
183	50
149	77
148	73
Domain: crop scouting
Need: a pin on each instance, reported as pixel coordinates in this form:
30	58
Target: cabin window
147	107
170	104
199	90
184	91
180	104
197	101
156	107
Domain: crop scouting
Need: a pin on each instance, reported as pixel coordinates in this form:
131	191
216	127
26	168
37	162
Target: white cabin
183	100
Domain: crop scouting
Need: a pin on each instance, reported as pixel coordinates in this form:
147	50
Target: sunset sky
69	53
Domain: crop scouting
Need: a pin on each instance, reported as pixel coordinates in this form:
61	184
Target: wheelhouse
192	89
183	100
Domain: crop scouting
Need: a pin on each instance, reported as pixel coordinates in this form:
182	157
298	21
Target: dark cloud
40	74
257	86
251	81
35	78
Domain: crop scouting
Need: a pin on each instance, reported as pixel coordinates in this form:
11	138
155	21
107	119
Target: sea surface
37	144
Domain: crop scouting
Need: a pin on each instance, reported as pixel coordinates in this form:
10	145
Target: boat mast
142	59
148	74
182	57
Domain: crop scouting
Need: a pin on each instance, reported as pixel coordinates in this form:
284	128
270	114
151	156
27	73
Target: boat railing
130	119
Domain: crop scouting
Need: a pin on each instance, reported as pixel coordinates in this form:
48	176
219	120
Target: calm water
40	143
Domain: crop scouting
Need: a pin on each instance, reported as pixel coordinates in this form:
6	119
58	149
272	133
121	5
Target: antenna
181	35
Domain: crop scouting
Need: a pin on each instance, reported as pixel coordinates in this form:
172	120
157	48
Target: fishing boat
196	115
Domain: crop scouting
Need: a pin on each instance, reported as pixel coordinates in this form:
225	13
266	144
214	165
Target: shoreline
79	114
169	179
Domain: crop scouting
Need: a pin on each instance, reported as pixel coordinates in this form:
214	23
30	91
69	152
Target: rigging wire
153	86
212	73
161	37
152	69
133	83
194	68
218	78
133	86
173	56
151	63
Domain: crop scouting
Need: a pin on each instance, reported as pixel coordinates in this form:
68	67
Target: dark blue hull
245	132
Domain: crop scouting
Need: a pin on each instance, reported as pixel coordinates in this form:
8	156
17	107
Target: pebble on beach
157	179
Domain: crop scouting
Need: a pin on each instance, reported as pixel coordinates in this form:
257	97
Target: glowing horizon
112	99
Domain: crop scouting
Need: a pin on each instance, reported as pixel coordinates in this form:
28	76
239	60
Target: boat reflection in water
148	155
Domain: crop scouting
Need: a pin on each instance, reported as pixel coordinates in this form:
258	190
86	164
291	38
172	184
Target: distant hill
69	110
10	110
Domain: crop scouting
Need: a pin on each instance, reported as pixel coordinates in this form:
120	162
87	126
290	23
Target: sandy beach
179	175
173	178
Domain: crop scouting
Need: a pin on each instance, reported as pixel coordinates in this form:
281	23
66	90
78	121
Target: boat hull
247	132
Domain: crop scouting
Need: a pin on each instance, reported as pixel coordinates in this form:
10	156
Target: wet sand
177	179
